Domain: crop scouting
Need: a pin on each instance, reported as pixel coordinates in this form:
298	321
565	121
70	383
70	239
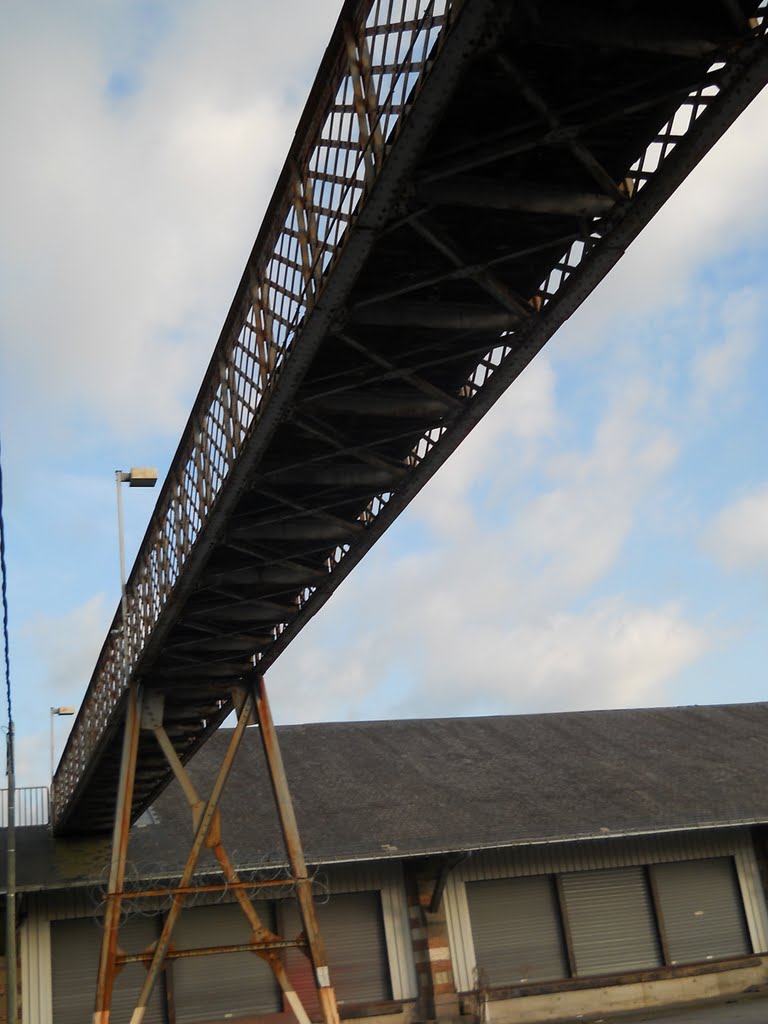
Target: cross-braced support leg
259	933
207	833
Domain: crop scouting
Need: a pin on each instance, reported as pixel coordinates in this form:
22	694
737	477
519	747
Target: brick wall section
437	999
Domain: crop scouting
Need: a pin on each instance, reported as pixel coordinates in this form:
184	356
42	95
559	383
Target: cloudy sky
601	540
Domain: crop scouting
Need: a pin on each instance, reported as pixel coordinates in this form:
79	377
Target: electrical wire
4	588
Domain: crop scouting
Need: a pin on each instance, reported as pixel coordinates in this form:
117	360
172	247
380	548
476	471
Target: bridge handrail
31	806
337	152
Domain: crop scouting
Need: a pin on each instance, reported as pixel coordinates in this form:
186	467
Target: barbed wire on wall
146	895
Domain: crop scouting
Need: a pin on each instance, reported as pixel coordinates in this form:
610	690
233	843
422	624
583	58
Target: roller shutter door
702	911
222	985
75	949
516	930
612	926
352	928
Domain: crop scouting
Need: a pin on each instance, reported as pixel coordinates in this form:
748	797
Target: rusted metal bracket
450	861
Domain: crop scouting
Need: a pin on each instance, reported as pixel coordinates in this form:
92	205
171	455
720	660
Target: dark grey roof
366	790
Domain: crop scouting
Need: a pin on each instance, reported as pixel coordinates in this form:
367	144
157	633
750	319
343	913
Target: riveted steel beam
626	32
520	197
337	474
389	404
446	316
298	529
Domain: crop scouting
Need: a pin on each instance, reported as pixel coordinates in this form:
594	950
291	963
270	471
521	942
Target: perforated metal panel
702	911
516	930
75	947
610	915
353	932
224	985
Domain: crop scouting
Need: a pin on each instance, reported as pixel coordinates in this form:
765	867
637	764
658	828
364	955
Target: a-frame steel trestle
145	712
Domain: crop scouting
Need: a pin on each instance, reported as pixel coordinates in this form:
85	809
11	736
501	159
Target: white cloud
739	536
58	655
717	367
68	645
131	220
574	531
612	655
33	759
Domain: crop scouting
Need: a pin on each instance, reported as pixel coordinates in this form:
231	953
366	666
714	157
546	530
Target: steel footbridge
464	174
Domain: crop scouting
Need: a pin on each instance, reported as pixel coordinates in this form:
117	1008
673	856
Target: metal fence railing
32	806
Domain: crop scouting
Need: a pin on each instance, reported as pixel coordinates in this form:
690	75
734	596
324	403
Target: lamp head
142	476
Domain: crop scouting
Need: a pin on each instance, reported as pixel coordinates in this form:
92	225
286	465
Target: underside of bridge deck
534	144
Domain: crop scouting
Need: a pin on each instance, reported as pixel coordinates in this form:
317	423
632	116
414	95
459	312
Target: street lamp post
136	476
54	712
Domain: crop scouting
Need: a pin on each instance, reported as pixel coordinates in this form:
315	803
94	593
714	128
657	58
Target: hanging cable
5	601
10	900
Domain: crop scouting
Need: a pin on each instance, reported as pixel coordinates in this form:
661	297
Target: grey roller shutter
610	916
75	949
352	929
701	909
222	985
516	930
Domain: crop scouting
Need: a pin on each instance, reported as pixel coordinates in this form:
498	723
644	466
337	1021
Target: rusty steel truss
463	176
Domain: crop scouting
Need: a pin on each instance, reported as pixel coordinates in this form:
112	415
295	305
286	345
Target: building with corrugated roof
514	868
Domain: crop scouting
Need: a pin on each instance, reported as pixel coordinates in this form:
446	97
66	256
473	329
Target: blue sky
600	540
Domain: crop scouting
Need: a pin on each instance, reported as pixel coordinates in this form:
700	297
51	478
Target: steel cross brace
207	833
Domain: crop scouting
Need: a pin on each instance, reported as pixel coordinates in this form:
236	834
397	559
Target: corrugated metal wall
353	933
42	908
525	944
701	910
610	916
35	950
226	984
594	855
75	946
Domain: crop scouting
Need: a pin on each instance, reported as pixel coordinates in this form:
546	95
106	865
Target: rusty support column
290	830
107	966
258	932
